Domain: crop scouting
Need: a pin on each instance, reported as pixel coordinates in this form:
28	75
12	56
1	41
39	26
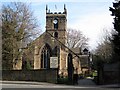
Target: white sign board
53	62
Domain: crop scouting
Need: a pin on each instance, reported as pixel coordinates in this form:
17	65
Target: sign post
53	62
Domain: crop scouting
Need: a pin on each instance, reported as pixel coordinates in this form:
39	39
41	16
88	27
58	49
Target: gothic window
45	57
55	51
56	34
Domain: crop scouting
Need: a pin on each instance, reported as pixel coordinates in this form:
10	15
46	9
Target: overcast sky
88	16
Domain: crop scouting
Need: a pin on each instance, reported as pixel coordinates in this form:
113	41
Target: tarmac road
22	85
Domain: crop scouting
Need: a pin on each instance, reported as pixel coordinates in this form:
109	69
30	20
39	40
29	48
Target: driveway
86	82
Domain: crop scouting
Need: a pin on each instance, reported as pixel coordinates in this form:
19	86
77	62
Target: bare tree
75	38
18	28
105	48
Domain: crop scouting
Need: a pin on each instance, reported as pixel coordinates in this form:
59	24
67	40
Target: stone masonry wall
42	75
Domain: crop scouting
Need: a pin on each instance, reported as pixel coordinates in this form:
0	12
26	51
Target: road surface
22	85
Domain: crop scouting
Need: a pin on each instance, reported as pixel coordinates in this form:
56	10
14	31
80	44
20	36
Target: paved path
86	82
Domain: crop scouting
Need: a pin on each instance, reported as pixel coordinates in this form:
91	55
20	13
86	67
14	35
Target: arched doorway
70	68
45	57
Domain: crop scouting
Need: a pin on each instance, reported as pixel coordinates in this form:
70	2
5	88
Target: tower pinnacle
46	8
65	10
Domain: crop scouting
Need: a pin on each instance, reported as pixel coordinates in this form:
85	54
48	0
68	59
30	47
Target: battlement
52	15
48	12
55	13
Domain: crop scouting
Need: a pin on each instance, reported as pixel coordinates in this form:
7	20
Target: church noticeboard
53	62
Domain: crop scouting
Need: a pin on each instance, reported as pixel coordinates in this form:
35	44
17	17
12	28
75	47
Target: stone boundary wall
111	77
111	73
42	75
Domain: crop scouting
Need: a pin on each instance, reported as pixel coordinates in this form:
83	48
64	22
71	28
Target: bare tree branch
75	38
19	27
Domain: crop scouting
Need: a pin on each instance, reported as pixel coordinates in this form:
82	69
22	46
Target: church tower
56	24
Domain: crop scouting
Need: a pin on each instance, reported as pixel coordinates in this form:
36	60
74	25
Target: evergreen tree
116	36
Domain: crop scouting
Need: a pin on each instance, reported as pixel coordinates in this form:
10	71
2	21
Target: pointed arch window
45	57
55	51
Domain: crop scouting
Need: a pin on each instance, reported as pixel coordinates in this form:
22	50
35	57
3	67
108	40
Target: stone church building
49	50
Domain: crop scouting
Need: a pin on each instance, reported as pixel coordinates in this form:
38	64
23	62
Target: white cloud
92	25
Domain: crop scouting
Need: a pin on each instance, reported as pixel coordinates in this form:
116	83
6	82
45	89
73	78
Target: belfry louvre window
56	34
45	57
